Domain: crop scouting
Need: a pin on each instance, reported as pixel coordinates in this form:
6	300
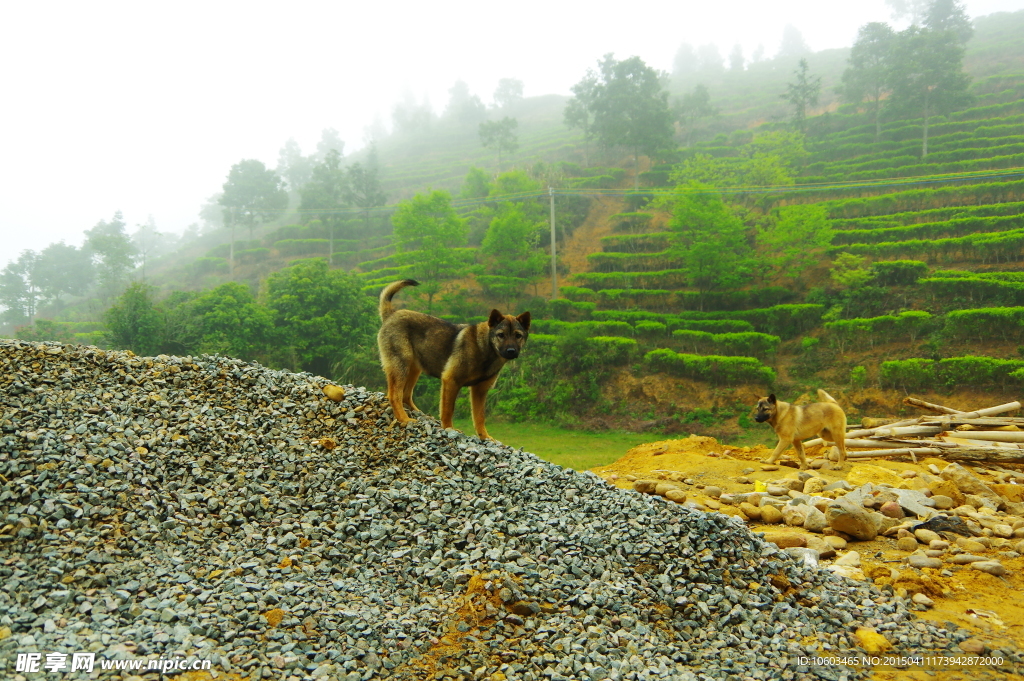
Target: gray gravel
164	507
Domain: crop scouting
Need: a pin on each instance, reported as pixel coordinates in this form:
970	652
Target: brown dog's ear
495	318
524	319
771	399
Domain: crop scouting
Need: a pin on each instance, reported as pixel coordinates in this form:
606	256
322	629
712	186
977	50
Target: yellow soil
991	607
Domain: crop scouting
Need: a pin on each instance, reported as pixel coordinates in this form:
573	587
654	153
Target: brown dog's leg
799	447
449	391
838	441
478	397
410	382
779	448
396	386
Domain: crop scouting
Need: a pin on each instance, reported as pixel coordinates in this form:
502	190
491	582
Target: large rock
969	484
852	519
770	514
795	514
815	520
947	489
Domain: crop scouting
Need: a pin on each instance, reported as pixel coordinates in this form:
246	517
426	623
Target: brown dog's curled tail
825	397
385	308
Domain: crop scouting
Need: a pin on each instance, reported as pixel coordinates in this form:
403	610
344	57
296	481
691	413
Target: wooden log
889	431
907	451
987	454
871	431
914	402
949	422
991	435
989	411
965	442
882	444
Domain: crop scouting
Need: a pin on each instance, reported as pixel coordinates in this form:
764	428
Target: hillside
917	285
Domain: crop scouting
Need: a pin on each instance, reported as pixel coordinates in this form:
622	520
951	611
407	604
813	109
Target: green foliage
651	329
114	252
510	245
630	108
301	246
858	377
866	332
582	328
850	271
868	73
229	321
711	368
898	272
795	240
802	94
501	135
976	288
1003	323
477	184
710	241
427	233
952	372
252	194
324	323
133	322
636	243
744	344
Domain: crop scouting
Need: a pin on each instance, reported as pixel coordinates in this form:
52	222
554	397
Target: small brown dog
411	343
794	423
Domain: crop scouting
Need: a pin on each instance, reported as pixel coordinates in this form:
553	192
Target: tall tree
464	108
228	320
802	94
19	291
252	195
949	15
508	93
293	166
113	250
868	73
692	108
63	270
736	59
330	140
146	239
325	196
428	234
133	322
411	118
795	240
501	135
323	321
709	241
579	111
365	190
928	75
631	109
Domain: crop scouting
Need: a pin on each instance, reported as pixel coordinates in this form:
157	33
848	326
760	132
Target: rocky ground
864	521
208	508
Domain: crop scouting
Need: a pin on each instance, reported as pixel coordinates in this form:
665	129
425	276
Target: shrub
898	272
743	344
712	368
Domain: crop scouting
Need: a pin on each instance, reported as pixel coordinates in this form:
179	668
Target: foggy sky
144	107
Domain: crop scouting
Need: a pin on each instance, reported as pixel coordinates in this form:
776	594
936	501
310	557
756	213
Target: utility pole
554	269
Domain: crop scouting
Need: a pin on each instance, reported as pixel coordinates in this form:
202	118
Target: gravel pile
204	507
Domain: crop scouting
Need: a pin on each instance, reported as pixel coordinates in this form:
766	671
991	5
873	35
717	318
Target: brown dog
459	354
794	423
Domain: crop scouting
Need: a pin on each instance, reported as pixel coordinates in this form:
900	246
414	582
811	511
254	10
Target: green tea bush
710	368
999	323
301	246
744	344
898	272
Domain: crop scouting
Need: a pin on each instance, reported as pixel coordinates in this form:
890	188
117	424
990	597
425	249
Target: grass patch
577	449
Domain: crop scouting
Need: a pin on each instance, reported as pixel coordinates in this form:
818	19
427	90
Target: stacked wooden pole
953	435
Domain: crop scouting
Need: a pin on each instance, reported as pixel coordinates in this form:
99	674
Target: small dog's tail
385	308
825	397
